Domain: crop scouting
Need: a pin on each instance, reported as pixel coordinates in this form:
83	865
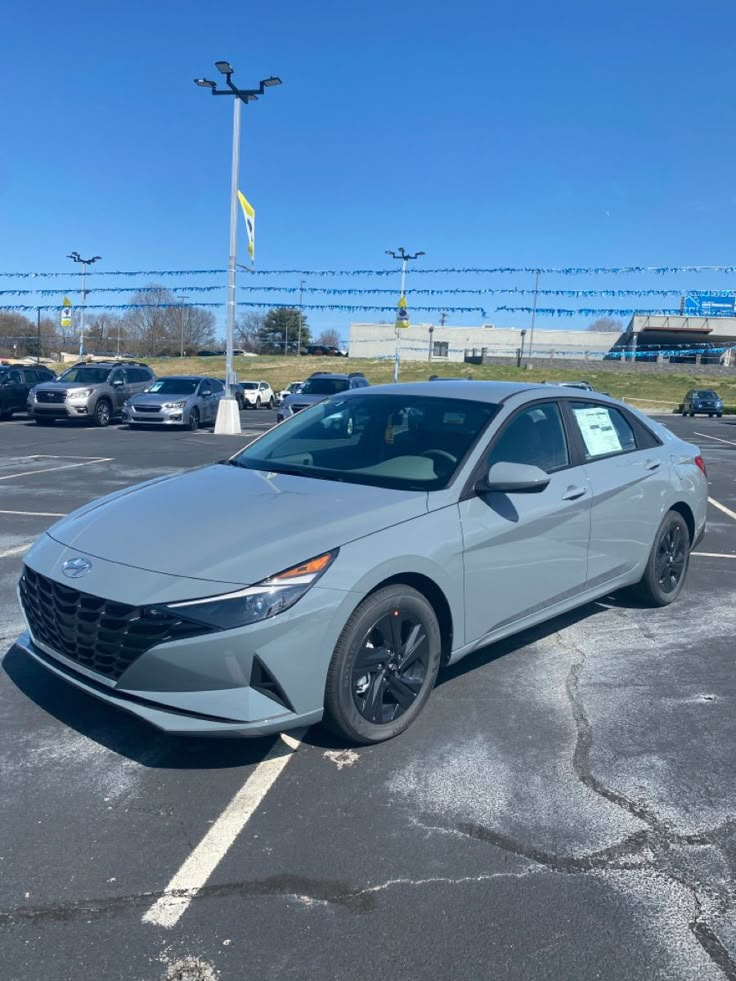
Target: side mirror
513	478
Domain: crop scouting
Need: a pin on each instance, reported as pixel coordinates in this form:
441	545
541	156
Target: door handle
652	464
573	493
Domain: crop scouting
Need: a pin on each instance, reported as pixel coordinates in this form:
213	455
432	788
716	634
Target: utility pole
38	335
404	257
443	318
228	416
85	263
301	318
534	315
181	324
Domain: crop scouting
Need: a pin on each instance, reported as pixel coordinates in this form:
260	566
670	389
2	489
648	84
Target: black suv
16	381
317	387
94	391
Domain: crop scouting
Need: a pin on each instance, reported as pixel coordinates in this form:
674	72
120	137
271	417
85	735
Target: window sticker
597	429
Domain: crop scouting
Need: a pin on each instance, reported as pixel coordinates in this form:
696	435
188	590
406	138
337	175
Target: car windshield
174	386
402	442
705	393
249	385
325	386
86	374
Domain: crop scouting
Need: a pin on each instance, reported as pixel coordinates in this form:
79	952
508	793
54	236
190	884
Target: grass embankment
647	391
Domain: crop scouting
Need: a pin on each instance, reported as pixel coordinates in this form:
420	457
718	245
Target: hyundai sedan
355	550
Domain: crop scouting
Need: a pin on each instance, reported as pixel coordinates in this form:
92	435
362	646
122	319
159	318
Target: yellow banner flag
402	313
250	223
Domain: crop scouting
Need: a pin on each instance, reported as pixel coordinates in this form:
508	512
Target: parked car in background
318	387
291	389
324	350
702	401
257	395
93	392
237	390
182	400
400	529
16	383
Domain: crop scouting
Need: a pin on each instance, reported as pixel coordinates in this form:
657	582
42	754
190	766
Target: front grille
96	633
51	397
147	408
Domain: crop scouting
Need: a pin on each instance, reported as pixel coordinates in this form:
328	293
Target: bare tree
328	338
248	328
607	325
151	323
197	328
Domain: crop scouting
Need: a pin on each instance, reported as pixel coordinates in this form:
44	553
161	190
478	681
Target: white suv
258	394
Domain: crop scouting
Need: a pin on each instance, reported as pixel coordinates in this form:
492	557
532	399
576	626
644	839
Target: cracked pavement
564	808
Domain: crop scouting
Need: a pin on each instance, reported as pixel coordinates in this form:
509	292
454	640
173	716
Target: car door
628	471
525	552
205	401
13	391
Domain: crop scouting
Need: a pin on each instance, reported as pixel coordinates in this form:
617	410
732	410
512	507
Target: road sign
709	305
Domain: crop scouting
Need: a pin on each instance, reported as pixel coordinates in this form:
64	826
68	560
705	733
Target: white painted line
66	466
15	550
722	507
716	555
202	862
37	514
718	438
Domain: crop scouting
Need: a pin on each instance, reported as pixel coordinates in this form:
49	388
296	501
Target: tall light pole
301	318
228	417
85	262
534	316
181	324
404	256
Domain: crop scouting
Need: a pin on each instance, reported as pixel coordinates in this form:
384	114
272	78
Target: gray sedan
186	400
355	550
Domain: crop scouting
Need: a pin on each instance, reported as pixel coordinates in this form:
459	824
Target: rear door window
603	430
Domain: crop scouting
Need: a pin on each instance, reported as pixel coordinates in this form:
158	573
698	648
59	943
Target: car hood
227	524
156	398
61	386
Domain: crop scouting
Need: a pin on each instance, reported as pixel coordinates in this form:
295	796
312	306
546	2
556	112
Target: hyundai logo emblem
74	568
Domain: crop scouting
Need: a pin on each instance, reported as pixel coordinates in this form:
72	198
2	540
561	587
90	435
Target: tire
40	421
370	698
672	541
103	413
710	415
719	415
6	414
692	415
258	402
270	402
194	420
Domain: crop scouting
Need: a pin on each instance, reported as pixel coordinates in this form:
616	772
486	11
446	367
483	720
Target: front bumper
60	410
163	417
262	678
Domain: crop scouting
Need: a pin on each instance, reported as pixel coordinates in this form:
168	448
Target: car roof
480	391
187	378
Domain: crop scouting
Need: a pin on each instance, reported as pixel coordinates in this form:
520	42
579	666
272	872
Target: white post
397	355
228	416
534	316
81	310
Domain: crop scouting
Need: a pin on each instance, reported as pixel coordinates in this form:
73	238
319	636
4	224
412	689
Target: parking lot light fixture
76	257
404	257
228	417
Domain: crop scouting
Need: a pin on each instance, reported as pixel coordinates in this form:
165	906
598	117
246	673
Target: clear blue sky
525	133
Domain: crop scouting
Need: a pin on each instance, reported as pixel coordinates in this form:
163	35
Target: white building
424	342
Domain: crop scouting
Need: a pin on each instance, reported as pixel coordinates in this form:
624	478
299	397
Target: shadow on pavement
123	733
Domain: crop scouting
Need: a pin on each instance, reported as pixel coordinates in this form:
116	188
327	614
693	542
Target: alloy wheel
671	558
390	667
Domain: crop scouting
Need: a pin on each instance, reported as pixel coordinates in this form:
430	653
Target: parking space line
202	862
718	438
722	507
37	514
15	550
66	466
716	555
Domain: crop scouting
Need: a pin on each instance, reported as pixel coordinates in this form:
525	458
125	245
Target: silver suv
94	392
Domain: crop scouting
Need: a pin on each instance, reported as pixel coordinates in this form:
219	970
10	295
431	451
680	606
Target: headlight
80	393
174	405
260	602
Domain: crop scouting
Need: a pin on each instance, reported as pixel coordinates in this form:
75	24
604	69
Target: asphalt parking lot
564	808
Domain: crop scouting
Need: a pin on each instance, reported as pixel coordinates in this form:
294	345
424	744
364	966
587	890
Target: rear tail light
700	462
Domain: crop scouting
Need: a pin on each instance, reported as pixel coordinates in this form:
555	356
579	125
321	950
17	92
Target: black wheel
719	415
194	420
384	666
692	415
241	403
103	413
6	413
258	401
270	402
40	421
710	415
668	562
